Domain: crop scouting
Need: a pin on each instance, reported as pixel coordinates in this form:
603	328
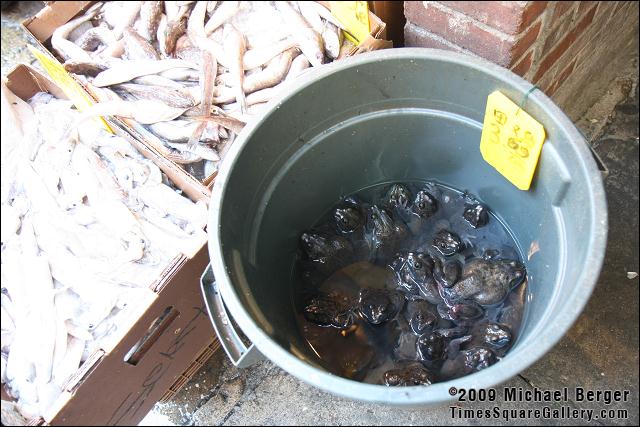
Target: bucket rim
527	354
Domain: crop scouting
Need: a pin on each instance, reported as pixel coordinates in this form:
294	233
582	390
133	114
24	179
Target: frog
421	316
377	306
398	197
462	313
467	361
425	205
476	214
447	242
327	252
385	234
492	335
486	281
328	310
414	272
348	219
432	349
412	374
446	272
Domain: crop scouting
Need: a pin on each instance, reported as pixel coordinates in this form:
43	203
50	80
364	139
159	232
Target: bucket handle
240	355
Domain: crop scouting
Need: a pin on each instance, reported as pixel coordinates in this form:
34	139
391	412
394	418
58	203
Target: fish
326	14
125	18
225	120
308	40
332	37
222	14
273	74
143	111
157	80
129	70
257	57
190	53
66	48
195	25
166	201
207	78
311	15
175	29
89	68
96	36
257	97
181	74
114	50
161	35
171	9
298	65
234	47
150	16
177	131
137	47
177	98
202	151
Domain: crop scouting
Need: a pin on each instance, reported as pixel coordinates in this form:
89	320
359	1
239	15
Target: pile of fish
88	226
191	74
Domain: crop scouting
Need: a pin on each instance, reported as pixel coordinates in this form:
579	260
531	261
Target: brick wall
568	48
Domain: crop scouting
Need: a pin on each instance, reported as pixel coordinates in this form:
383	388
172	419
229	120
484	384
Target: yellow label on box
69	86
354	15
511	140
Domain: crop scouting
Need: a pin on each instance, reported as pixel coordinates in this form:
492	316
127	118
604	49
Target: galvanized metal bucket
400	114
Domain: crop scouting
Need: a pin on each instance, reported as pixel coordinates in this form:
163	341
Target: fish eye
421	205
417	264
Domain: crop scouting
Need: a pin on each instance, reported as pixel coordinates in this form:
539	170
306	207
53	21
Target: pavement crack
526	380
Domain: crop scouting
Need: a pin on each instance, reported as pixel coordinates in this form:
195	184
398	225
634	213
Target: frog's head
512	272
347	219
315	245
380	222
398	196
424	205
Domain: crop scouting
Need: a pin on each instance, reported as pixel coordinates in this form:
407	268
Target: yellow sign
511	140
69	86
354	15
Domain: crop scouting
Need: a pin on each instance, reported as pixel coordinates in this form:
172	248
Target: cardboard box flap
45	22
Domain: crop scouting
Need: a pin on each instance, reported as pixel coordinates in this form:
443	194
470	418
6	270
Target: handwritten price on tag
511	140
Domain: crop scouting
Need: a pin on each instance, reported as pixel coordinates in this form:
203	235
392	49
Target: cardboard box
57	13
171	332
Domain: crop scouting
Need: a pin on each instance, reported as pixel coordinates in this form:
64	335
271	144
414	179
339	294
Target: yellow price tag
511	140
69	86
354	15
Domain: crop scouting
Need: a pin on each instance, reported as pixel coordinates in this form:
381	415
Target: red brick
564	44
415	36
619	4
564	74
561	8
523	66
503	16
560	79
585	5
605	11
561	27
525	41
463	32
531	12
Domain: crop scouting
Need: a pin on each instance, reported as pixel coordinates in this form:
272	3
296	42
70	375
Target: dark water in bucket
408	283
